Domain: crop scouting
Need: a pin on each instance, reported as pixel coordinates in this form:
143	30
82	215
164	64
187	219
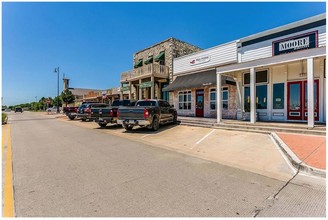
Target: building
279	75
153	69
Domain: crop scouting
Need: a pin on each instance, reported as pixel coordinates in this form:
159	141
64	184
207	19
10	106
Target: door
199	103
297	100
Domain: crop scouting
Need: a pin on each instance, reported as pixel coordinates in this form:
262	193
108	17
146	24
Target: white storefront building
279	75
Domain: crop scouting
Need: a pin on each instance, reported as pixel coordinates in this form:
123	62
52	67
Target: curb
295	161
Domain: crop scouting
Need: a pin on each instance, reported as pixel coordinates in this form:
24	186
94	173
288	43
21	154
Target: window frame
213	90
184	101
260	70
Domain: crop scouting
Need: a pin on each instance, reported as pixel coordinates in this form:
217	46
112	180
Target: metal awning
149	60
138	64
196	80
285	58
160	56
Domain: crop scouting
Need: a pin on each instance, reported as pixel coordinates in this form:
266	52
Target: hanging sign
296	43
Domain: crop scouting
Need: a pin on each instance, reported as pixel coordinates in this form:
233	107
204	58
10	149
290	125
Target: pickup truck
147	113
108	114
84	111
70	112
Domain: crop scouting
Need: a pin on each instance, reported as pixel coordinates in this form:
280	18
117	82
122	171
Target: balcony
153	69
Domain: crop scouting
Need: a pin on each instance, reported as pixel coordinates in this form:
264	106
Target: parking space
244	150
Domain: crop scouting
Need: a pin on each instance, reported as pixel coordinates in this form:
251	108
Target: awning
161	56
149	60
195	80
138	64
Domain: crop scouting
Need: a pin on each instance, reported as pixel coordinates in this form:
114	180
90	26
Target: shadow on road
144	130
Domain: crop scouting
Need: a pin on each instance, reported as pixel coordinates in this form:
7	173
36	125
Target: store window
278	96
225	98
185	100
213	99
261	97
247	99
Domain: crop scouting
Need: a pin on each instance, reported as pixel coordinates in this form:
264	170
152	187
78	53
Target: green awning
161	56
149	60
138	64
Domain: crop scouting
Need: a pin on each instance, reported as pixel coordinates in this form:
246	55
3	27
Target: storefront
280	74
194	86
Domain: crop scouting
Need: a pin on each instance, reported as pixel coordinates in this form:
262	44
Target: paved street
67	168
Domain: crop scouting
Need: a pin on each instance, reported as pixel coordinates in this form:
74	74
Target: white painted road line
198	142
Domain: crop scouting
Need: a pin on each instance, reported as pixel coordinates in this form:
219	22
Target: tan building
153	69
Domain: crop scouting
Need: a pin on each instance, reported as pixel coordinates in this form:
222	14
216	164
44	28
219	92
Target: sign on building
296	43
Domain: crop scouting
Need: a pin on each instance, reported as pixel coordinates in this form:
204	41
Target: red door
199	103
297	100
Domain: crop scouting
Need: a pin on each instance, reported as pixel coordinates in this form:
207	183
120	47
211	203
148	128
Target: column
252	96
121	92
310	93
218	98
130	90
140	89
152	88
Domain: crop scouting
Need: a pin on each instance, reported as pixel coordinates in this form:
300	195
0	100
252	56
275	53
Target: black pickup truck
147	113
84	111
108	114
70	112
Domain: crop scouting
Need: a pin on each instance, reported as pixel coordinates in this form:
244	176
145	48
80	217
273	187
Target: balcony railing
150	69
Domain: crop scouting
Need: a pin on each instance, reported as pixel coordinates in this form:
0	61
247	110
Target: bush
4	118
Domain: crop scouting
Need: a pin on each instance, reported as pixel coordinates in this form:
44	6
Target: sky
93	43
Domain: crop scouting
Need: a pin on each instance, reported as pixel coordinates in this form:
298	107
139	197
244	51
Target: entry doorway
199	103
297	100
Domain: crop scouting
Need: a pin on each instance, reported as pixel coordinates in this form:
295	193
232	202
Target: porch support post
310	92
218	98
152	88
252	96
121	92
130	90
140	90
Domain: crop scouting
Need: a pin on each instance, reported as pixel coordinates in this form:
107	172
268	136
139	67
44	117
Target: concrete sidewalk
307	152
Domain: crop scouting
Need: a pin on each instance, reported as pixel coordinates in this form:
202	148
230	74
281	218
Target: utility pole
57	71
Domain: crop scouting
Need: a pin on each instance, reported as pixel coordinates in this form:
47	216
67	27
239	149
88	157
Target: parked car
53	109
7	110
147	113
19	110
84	111
108	114
70	112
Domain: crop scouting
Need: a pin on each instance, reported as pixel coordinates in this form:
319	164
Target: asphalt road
60	170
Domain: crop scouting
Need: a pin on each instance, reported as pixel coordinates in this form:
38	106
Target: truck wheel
102	124
71	117
128	127
175	118
83	119
155	124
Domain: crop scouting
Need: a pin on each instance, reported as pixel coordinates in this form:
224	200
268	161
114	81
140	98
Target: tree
54	102
67	97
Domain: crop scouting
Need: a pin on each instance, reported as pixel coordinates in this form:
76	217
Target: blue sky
93	43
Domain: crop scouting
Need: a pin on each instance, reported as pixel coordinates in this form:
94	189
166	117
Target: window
185	100
261	97
260	76
278	96
225	98
213	99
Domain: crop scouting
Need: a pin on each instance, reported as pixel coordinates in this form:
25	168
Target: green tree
67	97
59	99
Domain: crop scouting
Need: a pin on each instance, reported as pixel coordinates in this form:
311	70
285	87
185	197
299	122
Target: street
63	170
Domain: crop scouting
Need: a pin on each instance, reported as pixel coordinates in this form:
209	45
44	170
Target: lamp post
57	71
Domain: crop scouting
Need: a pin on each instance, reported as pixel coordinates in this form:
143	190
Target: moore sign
294	44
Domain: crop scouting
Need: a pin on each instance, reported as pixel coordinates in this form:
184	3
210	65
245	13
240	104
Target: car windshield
146	103
121	102
83	106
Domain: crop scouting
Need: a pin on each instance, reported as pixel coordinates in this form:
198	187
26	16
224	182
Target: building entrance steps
258	127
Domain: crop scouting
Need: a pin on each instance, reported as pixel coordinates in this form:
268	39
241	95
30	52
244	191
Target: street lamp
57	71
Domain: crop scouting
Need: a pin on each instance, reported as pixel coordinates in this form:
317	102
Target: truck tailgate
132	113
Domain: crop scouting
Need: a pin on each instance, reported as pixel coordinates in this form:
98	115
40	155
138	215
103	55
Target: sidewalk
308	151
